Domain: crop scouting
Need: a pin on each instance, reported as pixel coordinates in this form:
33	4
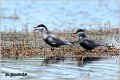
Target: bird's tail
106	45
73	42
70	43
109	46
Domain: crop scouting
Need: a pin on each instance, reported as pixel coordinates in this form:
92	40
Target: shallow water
103	69
59	14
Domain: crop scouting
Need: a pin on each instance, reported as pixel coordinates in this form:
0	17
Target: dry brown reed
30	44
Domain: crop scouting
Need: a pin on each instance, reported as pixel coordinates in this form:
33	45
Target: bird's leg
88	51
52	49
85	50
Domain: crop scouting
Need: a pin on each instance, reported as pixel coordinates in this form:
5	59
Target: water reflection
53	59
57	59
62	69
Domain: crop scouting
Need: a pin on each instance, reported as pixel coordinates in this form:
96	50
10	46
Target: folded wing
91	43
57	41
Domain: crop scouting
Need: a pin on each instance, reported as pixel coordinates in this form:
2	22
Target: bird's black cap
41	25
79	30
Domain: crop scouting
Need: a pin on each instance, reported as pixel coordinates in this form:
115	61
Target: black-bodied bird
51	39
85	42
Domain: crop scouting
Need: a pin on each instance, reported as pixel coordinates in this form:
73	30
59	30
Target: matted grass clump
30	44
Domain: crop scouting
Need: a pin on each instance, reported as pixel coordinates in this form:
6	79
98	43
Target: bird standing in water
50	39
85	42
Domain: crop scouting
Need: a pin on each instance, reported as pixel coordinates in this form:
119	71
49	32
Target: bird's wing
58	41
89	40
54	40
90	43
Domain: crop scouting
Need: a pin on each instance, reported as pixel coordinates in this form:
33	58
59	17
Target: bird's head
80	33
79	30
40	27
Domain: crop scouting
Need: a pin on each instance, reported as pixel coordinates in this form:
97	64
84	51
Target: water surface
103	69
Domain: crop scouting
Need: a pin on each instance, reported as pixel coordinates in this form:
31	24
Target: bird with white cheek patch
85	42
51	39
